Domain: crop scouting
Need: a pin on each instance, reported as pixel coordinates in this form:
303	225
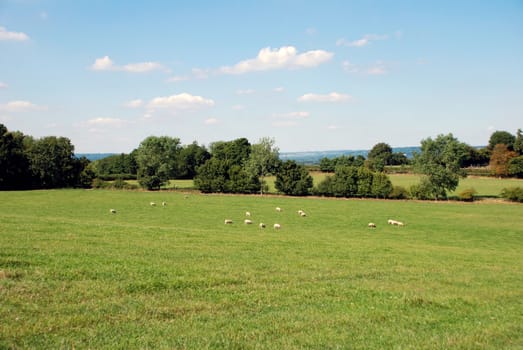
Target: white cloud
13	36
349	67
3	85
245	92
177	78
106	64
279	89
364	41
181	101
211	121
293	115
238	107
21	106
378	68
284	57
332	97
106	122
134	103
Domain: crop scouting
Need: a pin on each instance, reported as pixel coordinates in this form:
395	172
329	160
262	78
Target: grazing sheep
277	226
278	209
164	204
302	214
247	222
399	223
390	222
152	204
247	213
300	211
262	225
371	225
395	223
228	221
113	211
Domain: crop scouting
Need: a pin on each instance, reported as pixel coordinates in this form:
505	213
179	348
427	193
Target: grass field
73	275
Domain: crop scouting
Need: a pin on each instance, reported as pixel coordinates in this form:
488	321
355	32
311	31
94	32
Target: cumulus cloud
181	101
12	36
332	97
279	89
21	106
134	103
106	64
106	122
284	57
364	41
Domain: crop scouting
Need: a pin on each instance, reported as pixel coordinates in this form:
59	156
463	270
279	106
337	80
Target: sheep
399	223
395	223
164	204
228	221
153	204
277	226
112	211
247	222
371	225
278	209
390	222
302	214
300	211
262	225
247	213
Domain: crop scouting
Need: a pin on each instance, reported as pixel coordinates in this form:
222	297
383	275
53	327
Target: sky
313	75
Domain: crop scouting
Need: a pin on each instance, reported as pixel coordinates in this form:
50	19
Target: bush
467	195
514	194
99	183
399	192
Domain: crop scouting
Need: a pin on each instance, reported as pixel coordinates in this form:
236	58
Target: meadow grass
73	275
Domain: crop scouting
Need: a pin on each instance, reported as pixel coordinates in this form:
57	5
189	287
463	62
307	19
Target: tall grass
74	275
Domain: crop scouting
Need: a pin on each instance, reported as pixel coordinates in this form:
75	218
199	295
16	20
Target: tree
500	158
515	167
364	183
52	162
379	156
381	185
518	143
191	157
501	137
293	179
212	176
263	160
14	164
156	158
439	161
236	152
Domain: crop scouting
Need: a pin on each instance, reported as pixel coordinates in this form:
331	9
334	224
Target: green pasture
73	275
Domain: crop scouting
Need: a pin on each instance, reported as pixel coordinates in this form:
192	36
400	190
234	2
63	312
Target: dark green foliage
293	179
117	164
328	165
398	158
514	194
399	192
518	143
217	175
263	160
14	163
190	158
235	152
439	161
156	158
379	156
351	181
475	157
501	137
515	167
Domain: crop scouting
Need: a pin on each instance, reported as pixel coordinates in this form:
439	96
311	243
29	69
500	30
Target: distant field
73	275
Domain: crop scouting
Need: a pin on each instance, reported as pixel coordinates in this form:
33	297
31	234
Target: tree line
237	166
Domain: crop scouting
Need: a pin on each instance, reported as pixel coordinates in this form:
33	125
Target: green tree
345	181
515	167
263	160
212	176
191	157
14	164
379	156
364	183
381	185
501	137
235	152
52	162
439	161
293	179
518	142
156	158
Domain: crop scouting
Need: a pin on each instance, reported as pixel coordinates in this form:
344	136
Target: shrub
467	195
399	192
514	194
99	183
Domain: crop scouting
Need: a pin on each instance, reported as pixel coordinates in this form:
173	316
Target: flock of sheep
276	226
262	225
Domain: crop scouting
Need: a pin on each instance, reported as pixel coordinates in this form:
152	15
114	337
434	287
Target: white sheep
300	211
247	213
399	223
164	204
113	211
228	221
302	214
153	204
277	226
390	222
371	225
278	209
262	225
247	222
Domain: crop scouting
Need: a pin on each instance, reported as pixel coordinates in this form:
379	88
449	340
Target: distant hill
312	157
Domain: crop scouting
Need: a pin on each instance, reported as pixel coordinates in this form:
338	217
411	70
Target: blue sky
314	75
